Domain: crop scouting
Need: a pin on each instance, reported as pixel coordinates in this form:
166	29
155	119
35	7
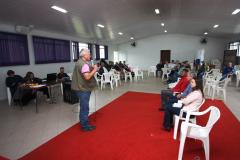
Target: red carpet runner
129	128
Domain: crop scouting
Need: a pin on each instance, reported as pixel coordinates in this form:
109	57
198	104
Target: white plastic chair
9	95
238	78
152	69
165	71
179	117
70	75
107	78
220	86
137	73
105	70
97	77
210	81
198	132
116	77
127	75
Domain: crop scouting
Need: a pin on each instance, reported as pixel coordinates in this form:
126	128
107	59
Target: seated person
159	67
173	76
193	99
180	87
30	79
61	75
19	95
102	69
179	96
13	81
227	71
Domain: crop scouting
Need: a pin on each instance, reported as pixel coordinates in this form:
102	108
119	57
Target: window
48	50
235	46
77	47
119	56
13	49
102	52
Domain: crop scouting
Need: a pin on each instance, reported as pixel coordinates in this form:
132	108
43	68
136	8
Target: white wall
39	70
183	47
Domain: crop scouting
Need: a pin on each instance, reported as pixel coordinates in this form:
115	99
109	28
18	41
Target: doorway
165	55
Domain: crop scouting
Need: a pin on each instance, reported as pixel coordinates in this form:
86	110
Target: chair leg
175	127
111	85
181	147
213	93
224	95
206	147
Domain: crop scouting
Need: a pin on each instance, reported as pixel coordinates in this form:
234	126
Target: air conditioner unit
23	29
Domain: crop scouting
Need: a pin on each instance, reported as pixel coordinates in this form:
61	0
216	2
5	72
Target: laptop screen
52	77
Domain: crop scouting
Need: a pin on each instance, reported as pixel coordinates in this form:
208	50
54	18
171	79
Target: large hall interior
166	77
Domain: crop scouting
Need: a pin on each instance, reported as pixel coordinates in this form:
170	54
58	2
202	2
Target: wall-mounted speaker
133	44
203	40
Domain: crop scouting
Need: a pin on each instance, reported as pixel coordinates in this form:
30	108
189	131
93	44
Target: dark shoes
88	128
161	109
168	129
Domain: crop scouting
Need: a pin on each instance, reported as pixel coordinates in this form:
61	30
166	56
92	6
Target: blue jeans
84	97
168	116
166	95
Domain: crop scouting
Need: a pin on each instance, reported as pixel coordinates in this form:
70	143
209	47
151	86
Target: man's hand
95	67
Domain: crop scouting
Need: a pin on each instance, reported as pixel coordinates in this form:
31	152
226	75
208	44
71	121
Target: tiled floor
23	130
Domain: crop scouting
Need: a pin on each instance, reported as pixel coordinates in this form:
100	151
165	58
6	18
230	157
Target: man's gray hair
83	52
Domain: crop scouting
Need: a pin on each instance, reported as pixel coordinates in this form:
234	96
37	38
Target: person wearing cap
83	83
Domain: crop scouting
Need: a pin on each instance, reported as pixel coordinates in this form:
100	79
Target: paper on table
38	86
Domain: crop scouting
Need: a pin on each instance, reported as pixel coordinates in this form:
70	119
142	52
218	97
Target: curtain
47	50
106	52
90	49
97	52
75	50
13	49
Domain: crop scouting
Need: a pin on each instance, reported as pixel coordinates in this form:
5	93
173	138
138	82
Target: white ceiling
132	17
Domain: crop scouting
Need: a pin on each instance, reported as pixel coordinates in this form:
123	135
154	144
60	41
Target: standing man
83	83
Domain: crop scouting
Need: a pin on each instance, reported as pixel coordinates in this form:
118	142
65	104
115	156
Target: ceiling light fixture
235	11
59	9
120	33
205	33
165	31
100	25
215	26
131	38
157	11
162	24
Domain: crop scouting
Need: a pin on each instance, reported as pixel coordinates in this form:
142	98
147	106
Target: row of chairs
214	85
114	77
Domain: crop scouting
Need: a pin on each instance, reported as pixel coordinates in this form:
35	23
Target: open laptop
51	77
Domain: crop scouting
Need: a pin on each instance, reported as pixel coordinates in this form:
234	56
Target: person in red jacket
180	87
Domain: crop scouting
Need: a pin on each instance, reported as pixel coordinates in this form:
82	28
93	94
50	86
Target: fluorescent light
131	38
165	31
205	33
235	11
215	26
120	33
100	25
162	24
59	9
157	11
